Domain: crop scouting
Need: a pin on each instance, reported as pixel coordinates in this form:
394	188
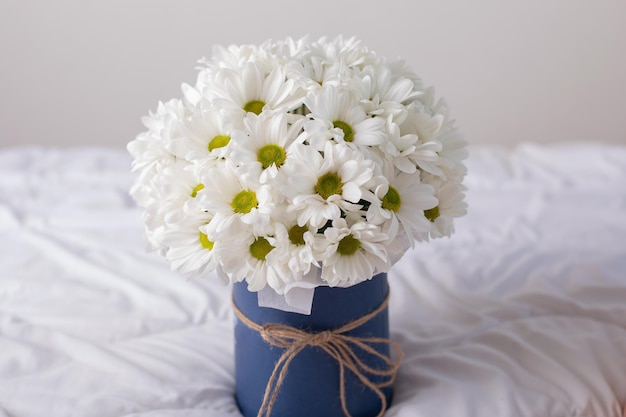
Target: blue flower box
311	387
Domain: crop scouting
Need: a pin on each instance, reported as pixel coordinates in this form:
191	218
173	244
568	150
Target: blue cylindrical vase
312	384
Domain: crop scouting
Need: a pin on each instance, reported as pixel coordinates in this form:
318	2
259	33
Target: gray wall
78	72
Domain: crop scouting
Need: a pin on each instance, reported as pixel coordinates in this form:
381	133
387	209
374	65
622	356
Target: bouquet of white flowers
298	160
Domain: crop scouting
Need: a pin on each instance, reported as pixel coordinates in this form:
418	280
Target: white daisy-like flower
189	248
336	114
382	93
232	56
427	148
298	245
204	135
400	205
323	185
290	49
450	205
154	225
250	90
399	148
400	69
248	256
353	253
349	52
322	63
237	201
453	152
312	71
149	149
263	146
165	198
176	188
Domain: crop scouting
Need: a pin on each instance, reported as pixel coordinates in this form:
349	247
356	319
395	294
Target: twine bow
337	345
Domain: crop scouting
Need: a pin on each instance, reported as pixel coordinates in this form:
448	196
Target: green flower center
244	202
196	190
271	154
432	214
348	246
392	200
254	106
328	184
205	242
296	234
260	248
218	142
348	133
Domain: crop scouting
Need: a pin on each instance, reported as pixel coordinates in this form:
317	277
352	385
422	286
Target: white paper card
297	300
298	296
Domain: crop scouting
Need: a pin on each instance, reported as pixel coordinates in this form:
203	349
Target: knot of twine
337	345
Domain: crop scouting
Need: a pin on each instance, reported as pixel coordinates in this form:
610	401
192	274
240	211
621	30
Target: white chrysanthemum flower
176	187
312	72
251	257
323	63
154	225
399	148
353	253
290	49
336	114
307	67
237	201
174	191
232	56
400	205
349	52
323	185
425	155
149	149
298	247
263	146
453	152
450	205
250	90
204	135
382	93
400	69
189	248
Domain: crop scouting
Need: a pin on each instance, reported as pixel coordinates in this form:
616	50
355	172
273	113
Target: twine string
338	345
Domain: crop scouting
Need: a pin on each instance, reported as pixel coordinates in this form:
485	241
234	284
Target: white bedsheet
521	313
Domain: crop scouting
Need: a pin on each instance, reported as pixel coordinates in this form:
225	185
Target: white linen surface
521	313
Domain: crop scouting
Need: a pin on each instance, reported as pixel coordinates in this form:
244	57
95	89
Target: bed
522	313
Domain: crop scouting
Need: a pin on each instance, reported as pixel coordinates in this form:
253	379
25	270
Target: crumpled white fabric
521	313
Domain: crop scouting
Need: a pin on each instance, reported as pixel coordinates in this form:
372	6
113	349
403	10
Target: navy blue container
311	387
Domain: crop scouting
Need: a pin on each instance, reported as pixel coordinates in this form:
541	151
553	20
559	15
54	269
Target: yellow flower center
218	141
244	202
348	246
328	184
260	248
271	154
296	234
348	133
196	190
254	106
432	214
205	242
392	200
